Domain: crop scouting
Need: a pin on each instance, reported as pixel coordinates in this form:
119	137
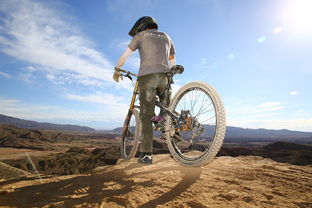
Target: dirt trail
226	182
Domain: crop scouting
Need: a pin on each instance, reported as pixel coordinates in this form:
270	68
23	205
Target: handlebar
126	72
177	69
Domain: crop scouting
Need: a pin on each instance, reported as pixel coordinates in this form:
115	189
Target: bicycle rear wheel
130	135
196	137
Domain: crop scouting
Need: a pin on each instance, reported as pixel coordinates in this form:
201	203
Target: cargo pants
149	86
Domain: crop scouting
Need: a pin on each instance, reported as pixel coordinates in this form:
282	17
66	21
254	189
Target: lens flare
277	30
296	16
261	39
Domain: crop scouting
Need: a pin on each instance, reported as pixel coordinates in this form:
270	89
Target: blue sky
57	58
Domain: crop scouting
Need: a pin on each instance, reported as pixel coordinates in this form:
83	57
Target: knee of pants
146	116
147	97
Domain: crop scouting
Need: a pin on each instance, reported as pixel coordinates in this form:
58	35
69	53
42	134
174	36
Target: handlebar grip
119	69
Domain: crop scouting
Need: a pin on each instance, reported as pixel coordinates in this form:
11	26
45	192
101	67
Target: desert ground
244	181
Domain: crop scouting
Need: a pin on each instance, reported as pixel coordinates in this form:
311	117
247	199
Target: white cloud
248	115
98	97
272	109
293	93
5	75
32	32
300	124
302	115
269	104
109	113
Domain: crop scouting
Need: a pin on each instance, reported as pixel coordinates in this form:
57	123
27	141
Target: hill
233	134
48	140
21	123
238	134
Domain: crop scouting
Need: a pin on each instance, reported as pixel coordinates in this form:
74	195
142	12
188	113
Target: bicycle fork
131	107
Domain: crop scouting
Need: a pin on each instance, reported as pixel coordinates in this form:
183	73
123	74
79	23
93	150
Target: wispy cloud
98	97
32	32
301	113
268	115
5	75
270	106
301	124
48	113
293	93
250	115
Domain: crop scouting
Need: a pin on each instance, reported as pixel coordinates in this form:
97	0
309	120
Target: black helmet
143	23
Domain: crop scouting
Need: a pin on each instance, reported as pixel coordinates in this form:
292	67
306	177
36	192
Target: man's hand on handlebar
117	75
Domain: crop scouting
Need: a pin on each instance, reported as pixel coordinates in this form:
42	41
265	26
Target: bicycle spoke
208	119
207	111
184	104
202	111
196	98
193	102
180	105
203	104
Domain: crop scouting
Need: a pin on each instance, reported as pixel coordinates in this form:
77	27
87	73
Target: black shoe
145	159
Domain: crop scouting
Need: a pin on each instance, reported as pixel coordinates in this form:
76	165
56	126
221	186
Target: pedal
157	119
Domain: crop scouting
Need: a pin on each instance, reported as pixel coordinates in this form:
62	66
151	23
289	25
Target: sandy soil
7	153
226	182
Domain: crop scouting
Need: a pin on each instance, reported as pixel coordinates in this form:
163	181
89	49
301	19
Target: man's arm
123	58
172	60
121	61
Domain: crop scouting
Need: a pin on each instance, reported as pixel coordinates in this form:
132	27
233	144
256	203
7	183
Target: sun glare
297	16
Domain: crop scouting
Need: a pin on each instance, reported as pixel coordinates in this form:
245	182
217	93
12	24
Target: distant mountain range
237	134
21	123
232	133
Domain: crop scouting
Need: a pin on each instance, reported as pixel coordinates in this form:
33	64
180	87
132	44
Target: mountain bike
194	125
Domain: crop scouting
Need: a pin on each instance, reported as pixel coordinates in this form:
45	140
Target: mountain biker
157	56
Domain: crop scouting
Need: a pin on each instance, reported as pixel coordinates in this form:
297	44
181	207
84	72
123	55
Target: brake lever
127	75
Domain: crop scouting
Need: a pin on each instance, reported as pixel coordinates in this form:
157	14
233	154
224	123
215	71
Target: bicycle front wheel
130	135
197	135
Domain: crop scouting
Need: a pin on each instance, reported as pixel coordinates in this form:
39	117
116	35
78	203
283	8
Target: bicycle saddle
177	69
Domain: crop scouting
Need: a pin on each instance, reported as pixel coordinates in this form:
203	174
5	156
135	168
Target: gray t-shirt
155	48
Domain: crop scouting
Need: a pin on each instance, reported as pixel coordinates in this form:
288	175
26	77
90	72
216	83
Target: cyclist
157	56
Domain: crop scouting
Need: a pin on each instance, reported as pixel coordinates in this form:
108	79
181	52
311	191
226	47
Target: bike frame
136	92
